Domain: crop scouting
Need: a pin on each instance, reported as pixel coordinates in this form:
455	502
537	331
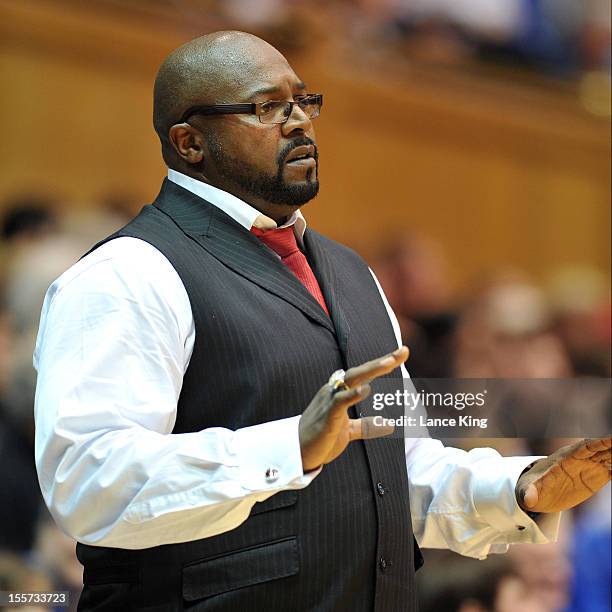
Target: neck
280	213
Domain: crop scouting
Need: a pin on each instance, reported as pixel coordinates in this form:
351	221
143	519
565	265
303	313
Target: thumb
530	496
366	429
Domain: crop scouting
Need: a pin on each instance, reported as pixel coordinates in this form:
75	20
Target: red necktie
282	242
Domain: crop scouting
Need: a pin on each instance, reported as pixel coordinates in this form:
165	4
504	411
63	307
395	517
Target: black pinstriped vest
263	348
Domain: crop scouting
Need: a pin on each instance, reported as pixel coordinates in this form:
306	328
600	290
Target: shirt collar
236	208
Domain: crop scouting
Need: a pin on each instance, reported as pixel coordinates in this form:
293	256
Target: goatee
271	188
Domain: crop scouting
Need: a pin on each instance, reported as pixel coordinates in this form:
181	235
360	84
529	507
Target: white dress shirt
115	339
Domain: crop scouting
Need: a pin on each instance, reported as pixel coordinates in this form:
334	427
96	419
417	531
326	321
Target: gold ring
336	382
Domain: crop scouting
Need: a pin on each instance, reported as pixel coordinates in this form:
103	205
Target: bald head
212	69
272	165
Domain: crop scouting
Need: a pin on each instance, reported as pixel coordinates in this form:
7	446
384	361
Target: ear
187	142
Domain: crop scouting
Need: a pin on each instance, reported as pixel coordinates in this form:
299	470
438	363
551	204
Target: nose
298	120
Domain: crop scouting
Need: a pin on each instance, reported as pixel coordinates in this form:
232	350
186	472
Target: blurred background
465	153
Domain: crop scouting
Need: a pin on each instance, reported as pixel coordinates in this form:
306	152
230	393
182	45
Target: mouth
301	156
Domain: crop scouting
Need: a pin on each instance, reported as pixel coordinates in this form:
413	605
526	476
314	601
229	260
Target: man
186	435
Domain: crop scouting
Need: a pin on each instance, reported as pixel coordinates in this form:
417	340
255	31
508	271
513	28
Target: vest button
380	488
382	563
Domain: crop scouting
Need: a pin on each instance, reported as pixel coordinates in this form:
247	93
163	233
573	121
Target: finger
341	400
602	444
366	429
377	367
602	457
587	448
530	496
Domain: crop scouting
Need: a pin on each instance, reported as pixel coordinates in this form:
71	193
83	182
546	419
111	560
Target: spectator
465	585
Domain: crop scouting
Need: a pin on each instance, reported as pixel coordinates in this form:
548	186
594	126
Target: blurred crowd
38	241
503	326
562	38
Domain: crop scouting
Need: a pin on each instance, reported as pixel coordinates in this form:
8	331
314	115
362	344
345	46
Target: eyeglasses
267	112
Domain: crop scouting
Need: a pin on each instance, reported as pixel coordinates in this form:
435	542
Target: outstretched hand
325	429
566	478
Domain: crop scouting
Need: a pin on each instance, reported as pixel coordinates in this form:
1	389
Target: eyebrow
274	88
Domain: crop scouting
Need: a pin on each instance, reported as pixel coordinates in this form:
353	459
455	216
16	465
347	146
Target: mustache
294	144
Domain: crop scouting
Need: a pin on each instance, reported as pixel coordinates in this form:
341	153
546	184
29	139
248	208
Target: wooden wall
503	173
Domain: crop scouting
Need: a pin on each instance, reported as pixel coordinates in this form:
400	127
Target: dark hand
325	428
566	478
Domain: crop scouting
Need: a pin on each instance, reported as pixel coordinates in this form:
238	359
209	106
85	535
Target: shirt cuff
495	501
270	457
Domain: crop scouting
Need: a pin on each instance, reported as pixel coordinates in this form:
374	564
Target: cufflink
271	474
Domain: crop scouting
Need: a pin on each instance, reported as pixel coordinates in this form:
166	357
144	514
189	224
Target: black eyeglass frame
249	108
